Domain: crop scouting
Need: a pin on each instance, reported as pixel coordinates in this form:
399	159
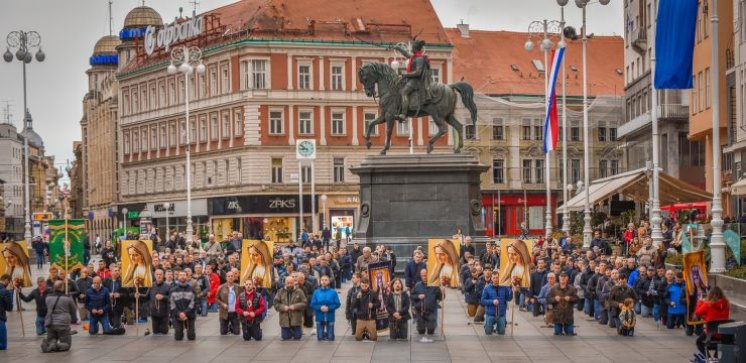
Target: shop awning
634	184
738	188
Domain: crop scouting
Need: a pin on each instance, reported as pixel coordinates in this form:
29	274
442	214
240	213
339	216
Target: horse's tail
467	97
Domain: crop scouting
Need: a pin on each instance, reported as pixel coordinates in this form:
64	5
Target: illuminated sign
172	33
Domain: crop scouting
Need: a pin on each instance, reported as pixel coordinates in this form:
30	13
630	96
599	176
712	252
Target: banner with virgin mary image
515	262
256	262
137	263
14	261
442	263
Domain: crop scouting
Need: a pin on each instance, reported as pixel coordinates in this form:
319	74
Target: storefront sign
172	33
178	208
260	204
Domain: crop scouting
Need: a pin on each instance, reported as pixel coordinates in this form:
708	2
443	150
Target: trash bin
733	342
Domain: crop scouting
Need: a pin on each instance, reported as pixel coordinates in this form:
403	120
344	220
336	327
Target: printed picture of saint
444	270
139	266
259	267
16	263
516	262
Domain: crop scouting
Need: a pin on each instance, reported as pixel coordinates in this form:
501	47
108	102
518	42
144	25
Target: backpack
627	318
254	302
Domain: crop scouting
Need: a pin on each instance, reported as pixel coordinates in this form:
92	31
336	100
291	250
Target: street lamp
545	28
24	42
167	207
124	216
187	58
717	246
323	199
587	232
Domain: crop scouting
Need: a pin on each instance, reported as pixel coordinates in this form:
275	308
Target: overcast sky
70	28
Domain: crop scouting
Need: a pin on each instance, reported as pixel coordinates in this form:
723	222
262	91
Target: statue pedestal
407	199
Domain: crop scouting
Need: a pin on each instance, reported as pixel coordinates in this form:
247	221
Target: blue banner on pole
674	43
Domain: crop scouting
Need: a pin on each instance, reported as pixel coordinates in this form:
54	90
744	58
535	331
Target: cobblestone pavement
463	342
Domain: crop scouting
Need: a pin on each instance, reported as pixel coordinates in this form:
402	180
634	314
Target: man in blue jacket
97	303
6	304
495	300
325	302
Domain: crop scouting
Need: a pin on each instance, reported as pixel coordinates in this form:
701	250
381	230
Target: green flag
76	236
734	243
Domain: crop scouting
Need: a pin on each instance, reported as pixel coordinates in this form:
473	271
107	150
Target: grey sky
70	28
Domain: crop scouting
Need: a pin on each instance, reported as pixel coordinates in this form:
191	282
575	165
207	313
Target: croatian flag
551	123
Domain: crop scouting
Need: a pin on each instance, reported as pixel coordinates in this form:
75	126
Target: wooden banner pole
20	311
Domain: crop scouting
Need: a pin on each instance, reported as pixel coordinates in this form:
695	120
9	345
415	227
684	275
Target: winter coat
430	303
325	297
391	306
222	298
245	303
473	290
577	284
713	311
213	290
63	311
295	298
97	299
503	294
536	282
39	298
83	284
644	292
563	310
6	302
676	298
412	273
159	308
360	303
181	300
349	309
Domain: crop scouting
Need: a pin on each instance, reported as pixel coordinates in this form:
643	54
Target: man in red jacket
250	307
214	284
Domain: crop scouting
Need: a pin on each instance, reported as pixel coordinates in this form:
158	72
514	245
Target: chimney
463	28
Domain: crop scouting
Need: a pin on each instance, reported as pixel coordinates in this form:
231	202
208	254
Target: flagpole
547	135
565	212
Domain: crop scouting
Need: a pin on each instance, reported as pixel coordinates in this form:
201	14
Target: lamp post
717	246
323	199
167	207
124	216
587	232
545	28
187	58
23	43
655	208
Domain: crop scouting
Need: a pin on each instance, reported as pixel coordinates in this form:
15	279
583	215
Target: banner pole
20	311
66	247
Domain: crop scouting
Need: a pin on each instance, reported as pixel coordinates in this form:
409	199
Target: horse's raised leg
451	120
369	129
389	129
441	131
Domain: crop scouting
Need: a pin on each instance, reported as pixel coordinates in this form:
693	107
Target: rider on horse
418	76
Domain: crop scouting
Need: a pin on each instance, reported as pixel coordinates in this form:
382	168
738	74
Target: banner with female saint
442	266
137	263
14	261
256	262
515	261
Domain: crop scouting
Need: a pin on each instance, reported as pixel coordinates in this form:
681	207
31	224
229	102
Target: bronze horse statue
441	107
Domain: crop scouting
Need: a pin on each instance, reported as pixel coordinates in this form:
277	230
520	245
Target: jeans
213	308
293	332
638	308
41	329
202	307
597	309
675	320
86	256
40	260
657	312
489	324
3	336
325	330
646	311
103	319
566	329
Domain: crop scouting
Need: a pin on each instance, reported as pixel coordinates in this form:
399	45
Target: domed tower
135	24
103	61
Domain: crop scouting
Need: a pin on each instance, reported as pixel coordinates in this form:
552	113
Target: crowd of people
612	286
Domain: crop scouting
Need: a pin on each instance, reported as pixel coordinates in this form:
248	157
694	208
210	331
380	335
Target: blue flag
674	43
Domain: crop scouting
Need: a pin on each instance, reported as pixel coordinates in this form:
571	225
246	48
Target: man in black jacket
120	297
365	303
618	294
537	277
425	300
397	305
159	301
350	313
181	304
39	295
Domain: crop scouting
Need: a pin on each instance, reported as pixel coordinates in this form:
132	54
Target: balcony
665	111
640	40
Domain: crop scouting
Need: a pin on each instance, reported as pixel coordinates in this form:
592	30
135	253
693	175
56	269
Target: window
154	137
276	170
135	141
337	78
708	88
225	83
254	74
614	167
203	85
339	170
213	82
304	76
237	123
126	143
436	75
164	137
470	131
498	171
602	169
305	123
701	85
203	130
172	135
182	132
305	173
162	94
143	98
226	125
526	132
135	102
402	128
214	128
538	132
275	122
370	117
612	133
575	133
338	123
539	163
602	134
153	97
694	98
192	131
172	96
575	170
127	106
498	131
526	174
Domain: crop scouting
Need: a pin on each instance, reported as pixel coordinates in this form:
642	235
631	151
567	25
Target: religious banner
515	261
695	277
379	274
66	238
14	261
256	262
442	266
137	263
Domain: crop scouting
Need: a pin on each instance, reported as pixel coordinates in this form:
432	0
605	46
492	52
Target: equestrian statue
412	94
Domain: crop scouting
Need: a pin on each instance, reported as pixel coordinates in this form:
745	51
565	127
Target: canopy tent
635	185
738	188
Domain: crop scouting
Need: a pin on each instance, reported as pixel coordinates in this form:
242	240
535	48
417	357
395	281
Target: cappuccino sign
172	33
